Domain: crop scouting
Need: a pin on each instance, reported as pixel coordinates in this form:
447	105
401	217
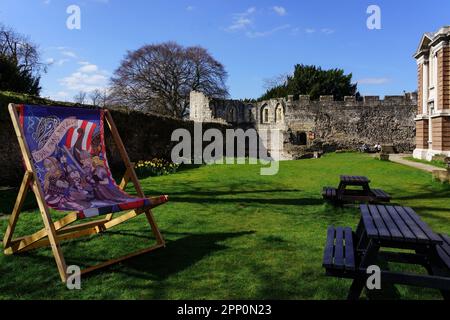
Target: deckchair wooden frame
55	232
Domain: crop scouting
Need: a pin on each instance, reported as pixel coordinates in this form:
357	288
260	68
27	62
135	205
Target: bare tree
24	53
159	78
80	97
96	97
19	52
276	81
105	98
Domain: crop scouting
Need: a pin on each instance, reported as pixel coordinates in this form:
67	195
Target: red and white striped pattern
72	134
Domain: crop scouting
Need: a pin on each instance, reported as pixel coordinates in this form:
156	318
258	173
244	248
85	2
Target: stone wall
326	124
145	136
330	125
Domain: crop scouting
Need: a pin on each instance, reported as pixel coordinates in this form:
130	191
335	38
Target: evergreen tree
315	82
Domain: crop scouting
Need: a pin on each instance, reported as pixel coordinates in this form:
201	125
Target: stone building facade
433	107
324	125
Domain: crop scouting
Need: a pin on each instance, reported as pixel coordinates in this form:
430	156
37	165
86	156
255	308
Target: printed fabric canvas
68	151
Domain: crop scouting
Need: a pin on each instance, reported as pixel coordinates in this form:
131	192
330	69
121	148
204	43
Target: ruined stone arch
265	114
279	113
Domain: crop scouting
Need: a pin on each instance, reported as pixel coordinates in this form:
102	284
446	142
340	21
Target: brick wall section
422	134
441	133
444	78
420	89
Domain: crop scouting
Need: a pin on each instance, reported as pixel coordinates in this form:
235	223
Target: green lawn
231	234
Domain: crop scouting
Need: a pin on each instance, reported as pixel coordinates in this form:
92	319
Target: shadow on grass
158	265
431	195
275	201
231	192
181	253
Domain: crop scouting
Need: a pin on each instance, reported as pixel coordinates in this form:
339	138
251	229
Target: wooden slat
383	231
368	222
419	234
380	194
349	249
445	244
81	226
423	226
339	261
124	217
402	227
445	239
390	224
21	243
329	248
68	236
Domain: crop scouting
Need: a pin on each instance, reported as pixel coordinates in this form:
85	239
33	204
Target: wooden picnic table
364	194
350	195
397	227
348	254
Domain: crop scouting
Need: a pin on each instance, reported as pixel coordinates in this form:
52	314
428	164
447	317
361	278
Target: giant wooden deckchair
64	156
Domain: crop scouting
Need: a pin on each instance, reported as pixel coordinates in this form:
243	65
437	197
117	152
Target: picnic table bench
348	254
365	194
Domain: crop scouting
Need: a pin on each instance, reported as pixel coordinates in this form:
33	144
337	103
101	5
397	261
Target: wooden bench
444	250
339	253
381	195
329	193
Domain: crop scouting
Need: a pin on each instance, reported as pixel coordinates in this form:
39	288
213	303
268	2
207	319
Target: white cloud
242	20
190	8
260	34
373	81
50	61
69	54
88	68
46	2
310	30
87	78
281	11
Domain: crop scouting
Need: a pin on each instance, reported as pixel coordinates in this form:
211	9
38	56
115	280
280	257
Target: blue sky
255	40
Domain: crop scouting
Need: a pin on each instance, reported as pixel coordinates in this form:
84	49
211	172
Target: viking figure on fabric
97	175
80	191
56	187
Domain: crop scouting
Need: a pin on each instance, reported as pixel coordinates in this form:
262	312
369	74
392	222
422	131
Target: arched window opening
279	114
264	114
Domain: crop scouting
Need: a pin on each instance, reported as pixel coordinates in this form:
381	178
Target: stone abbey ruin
324	125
